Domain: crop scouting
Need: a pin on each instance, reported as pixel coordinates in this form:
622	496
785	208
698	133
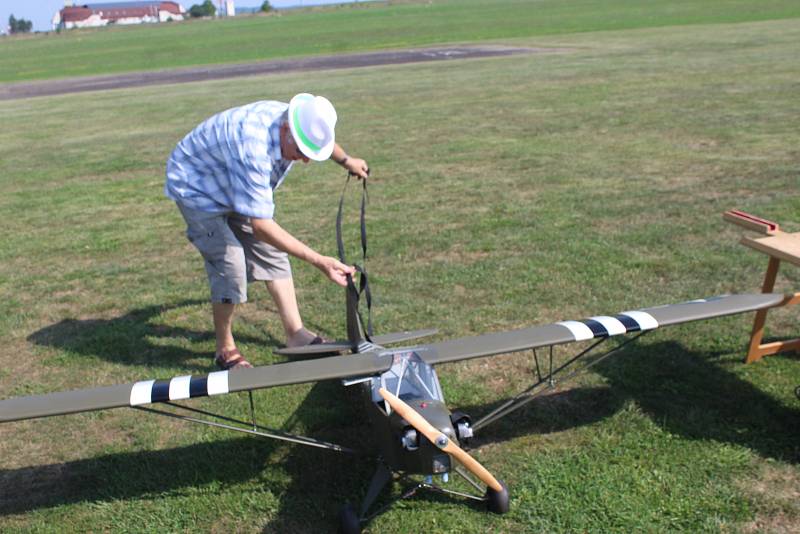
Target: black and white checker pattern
606	326
178	388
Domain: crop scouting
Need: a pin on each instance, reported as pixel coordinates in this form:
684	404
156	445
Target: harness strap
361	269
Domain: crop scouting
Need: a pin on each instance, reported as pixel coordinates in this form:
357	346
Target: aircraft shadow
129	339
321	480
129	476
693	395
688	393
550	412
325	483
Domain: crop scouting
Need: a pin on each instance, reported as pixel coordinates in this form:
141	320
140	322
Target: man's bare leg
282	291
223	323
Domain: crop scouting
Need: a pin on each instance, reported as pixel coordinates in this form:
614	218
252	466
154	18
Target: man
222	176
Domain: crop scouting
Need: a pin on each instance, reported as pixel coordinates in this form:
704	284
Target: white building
93	15
227	9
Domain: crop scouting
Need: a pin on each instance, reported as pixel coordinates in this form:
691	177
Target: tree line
16	25
207	9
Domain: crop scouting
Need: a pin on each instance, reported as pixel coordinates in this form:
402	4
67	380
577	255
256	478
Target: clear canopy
408	378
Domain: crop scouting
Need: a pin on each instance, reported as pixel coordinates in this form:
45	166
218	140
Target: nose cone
436	413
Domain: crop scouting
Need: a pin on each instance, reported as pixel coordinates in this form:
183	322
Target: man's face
289	149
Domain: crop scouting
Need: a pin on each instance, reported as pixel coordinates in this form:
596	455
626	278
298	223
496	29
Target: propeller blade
436	437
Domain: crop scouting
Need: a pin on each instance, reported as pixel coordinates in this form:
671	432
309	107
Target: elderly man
222	176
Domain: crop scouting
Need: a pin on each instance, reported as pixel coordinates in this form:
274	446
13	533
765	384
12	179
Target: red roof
118	11
73	14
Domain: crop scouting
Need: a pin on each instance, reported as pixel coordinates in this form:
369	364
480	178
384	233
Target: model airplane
417	433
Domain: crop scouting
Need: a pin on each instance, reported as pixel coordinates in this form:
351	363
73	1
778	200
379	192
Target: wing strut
256	430
548	381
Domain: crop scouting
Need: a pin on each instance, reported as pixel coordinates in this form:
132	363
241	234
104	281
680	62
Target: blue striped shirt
231	162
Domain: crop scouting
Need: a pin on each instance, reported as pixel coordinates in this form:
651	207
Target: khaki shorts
233	256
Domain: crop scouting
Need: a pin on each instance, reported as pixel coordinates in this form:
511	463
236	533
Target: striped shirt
231	162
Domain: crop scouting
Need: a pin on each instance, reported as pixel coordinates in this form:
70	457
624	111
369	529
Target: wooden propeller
436	437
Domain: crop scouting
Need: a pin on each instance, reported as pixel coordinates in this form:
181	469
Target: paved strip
11	91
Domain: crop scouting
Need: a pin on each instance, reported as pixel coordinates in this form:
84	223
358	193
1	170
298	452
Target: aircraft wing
596	327
377	361
186	387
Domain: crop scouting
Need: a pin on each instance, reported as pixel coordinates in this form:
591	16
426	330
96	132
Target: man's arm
355	166
271	232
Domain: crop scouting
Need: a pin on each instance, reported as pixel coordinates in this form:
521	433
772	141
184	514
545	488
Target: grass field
351	28
505	192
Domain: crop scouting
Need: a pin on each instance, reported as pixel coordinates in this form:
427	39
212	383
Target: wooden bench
779	246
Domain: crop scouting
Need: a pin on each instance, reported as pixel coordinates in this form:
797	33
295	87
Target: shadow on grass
323	481
550	412
318	483
129	476
319	480
133	338
317	492
692	395
687	393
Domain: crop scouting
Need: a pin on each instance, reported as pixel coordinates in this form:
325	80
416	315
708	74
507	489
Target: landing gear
497	501
349	523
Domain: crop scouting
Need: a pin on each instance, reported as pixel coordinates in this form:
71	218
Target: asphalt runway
11	91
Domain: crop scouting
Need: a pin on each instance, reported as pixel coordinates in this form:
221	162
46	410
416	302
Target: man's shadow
133	338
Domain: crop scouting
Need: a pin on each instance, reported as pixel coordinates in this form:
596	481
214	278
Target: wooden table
779	246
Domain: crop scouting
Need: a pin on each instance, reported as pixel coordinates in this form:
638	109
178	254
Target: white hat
311	121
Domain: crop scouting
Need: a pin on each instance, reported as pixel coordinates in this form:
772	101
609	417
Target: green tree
266	6
16	25
206	9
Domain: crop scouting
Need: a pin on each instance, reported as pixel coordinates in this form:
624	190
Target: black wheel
348	520
497	501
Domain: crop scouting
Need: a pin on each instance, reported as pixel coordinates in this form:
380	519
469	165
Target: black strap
363	282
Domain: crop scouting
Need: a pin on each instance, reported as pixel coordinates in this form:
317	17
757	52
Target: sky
40	12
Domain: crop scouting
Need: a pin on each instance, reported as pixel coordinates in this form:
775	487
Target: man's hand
335	270
270	232
357	166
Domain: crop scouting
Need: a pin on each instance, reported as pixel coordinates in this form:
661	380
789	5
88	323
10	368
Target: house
93	15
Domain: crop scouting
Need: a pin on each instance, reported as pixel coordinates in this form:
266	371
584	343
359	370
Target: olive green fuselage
401	447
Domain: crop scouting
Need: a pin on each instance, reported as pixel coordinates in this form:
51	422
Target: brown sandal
231	359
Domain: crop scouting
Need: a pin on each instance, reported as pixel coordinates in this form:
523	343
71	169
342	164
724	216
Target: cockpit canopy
408	378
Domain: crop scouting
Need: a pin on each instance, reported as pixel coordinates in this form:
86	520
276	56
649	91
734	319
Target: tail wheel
498	501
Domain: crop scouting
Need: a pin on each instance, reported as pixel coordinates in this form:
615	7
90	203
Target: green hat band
300	133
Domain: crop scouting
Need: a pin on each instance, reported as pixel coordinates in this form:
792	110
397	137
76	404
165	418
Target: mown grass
505	192
351	28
